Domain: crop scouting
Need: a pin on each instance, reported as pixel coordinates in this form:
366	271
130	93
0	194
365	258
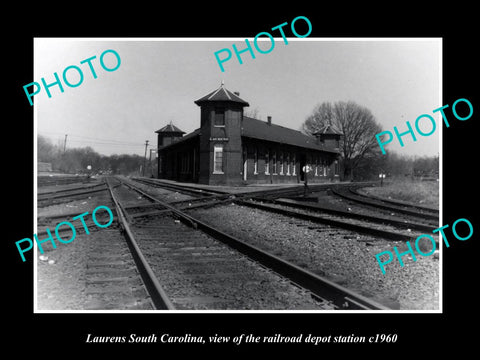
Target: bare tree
76	160
46	151
358	128
252	113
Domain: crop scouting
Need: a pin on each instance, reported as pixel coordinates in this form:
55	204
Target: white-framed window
255	161
267	162
218	159
294	165
274	163
325	168
336	167
281	163
316	166
288	164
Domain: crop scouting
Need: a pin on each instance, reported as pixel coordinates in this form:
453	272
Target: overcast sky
158	82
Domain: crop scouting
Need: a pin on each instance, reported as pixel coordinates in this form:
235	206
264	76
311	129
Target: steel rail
385	206
340	296
295	189
353	215
240	198
71	189
394	202
59	196
157	293
337	223
184	188
219	195
60	180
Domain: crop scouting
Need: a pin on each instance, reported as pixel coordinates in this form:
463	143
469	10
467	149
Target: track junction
174	256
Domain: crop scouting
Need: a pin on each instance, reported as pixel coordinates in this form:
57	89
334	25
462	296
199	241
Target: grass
414	191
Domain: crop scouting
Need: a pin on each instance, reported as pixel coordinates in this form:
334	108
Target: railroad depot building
232	149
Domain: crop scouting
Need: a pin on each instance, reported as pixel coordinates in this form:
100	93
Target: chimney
236	93
269	120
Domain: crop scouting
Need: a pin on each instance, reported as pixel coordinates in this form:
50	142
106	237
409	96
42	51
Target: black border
416	332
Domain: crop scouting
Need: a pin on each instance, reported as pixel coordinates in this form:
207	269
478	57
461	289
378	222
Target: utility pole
150	161
145	158
65	143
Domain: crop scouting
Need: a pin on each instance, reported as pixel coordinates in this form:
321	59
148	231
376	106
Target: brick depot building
232	149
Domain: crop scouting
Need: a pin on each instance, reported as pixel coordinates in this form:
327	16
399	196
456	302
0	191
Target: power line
104	140
106	143
96	140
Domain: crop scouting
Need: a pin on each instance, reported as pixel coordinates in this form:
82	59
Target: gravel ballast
342	256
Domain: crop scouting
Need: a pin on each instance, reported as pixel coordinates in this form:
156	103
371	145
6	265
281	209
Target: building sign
218	139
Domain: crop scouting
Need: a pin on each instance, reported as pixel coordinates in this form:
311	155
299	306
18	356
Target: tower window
219	117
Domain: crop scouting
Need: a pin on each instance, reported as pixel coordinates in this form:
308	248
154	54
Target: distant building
232	149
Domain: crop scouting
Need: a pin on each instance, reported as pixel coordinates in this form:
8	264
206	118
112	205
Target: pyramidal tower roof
170	128
221	94
327	129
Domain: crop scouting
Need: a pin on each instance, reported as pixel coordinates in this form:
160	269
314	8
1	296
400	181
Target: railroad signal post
306	169
381	176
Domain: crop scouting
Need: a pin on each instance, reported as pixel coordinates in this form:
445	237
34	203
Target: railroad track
73	189
112	279
200	267
268	200
342	214
108	274
185	189
65	195
60	180
200	191
375	227
408	209
394	202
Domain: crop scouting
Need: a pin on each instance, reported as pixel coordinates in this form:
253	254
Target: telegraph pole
65	143
150	161
144	158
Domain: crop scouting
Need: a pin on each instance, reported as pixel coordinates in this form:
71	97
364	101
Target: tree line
77	160
360	155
